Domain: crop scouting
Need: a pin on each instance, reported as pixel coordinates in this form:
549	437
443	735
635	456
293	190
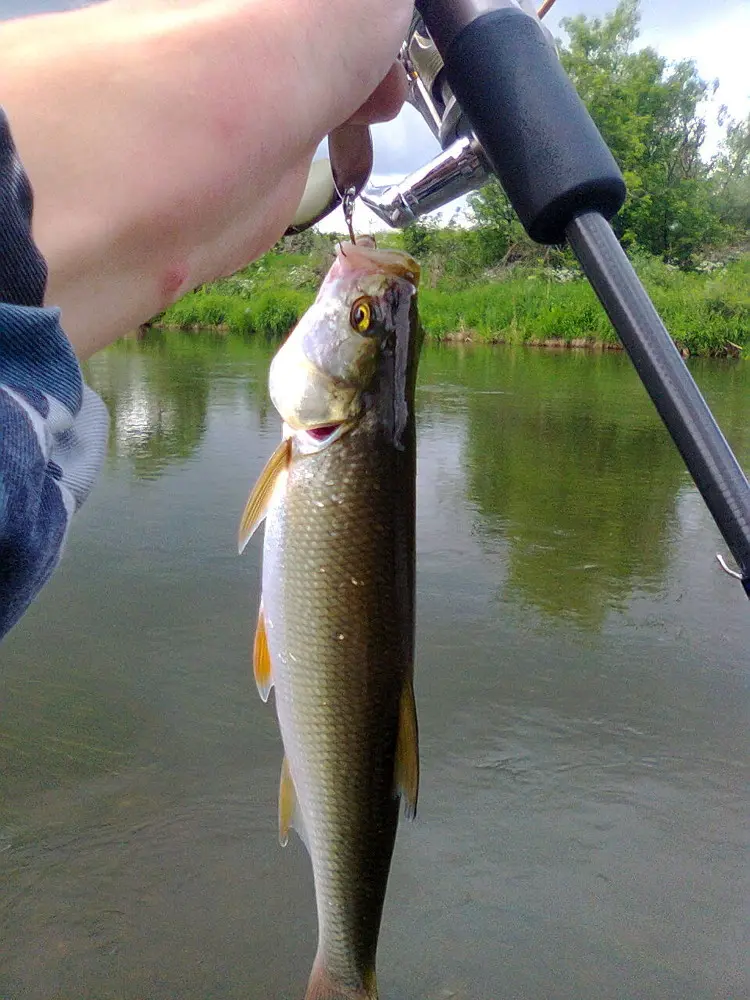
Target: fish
335	630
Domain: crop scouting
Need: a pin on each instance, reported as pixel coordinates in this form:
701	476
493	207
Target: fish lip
365	257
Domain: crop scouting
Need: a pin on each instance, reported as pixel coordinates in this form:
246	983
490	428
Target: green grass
269	314
515	311
706	313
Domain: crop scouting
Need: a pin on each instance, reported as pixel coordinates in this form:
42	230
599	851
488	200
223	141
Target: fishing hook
347	203
348	197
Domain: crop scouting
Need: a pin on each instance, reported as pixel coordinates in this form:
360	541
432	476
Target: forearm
166	145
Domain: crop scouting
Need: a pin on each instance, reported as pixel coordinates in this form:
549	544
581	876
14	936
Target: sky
716	35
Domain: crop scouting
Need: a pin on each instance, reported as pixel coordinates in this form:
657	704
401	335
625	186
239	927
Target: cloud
404	144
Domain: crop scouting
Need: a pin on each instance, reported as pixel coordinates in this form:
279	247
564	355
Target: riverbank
706	312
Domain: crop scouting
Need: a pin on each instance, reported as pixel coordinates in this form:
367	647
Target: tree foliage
649	113
731	175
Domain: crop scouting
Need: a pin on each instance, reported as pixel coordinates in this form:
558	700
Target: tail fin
323	986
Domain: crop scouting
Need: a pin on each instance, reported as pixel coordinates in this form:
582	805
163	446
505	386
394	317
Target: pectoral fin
407	751
257	505
262	658
289	811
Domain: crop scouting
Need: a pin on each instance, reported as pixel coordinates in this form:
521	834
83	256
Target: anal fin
290	816
407	751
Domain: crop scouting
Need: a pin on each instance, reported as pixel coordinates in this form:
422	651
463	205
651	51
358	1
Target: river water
582	685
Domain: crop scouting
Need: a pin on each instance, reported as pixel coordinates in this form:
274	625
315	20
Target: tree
418	238
498	227
731	175
648	113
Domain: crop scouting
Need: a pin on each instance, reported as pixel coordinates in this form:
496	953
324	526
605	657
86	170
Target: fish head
360	331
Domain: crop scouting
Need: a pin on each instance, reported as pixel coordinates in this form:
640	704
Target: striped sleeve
53	430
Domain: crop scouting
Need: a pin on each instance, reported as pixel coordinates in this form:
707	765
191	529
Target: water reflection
571	476
570	472
157	411
582	488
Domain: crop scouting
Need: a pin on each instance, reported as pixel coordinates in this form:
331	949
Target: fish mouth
314	439
323	432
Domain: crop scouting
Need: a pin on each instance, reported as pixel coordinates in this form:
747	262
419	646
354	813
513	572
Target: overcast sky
716	35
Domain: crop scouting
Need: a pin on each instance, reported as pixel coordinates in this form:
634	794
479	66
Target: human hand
168	141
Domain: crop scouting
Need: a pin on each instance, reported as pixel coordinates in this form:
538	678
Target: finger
350	150
386	101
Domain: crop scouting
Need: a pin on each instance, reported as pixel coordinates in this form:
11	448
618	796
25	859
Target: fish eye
361	317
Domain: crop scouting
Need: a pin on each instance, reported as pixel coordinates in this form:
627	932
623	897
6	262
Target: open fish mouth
323	432
314	439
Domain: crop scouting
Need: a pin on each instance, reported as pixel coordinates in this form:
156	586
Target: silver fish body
337	616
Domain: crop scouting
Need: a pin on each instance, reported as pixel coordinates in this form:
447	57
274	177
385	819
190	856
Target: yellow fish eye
361	316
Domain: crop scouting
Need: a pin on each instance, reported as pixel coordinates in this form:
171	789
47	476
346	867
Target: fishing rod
485	76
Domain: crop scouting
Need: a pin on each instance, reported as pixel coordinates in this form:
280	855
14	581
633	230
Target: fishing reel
485	77
461	167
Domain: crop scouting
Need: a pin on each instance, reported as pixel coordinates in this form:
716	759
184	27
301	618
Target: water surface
582	686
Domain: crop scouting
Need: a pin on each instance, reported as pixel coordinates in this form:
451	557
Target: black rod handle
541	141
